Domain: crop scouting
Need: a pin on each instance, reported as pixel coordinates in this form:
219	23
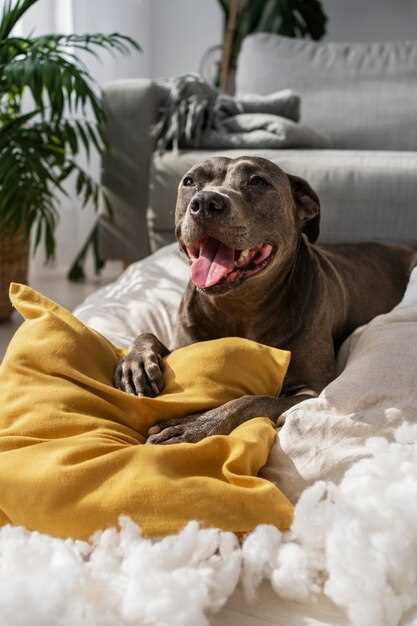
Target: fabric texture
362	95
145	298
375	393
196	115
323	436
364	195
72	453
262	131
349	558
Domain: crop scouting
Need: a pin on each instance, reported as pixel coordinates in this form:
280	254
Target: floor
53	283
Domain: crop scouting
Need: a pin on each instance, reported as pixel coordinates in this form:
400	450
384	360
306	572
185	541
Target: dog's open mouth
212	262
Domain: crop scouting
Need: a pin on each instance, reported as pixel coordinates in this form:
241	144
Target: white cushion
145	298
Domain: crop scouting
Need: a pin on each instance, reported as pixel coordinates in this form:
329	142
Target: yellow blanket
72	457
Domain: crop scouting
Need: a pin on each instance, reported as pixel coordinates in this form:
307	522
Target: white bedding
353	549
145	298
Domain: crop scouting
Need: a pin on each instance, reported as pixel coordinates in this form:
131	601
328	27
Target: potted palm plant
40	144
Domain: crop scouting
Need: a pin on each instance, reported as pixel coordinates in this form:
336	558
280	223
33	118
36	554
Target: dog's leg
140	371
224	419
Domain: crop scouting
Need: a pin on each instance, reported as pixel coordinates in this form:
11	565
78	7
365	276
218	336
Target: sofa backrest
362	95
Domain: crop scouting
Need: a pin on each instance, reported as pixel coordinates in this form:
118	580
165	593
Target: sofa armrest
131	108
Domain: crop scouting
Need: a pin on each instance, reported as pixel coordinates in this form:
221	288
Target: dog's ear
307	206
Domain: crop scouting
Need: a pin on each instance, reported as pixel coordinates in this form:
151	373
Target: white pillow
373	395
145	298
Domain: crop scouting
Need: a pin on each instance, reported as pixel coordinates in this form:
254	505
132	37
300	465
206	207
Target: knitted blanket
196	115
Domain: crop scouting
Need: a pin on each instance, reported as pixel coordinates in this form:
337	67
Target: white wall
129	17
182	31
91	16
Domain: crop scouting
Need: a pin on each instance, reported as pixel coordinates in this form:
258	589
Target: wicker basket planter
14	262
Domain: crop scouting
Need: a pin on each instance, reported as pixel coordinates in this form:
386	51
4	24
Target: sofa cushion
362	95
364	195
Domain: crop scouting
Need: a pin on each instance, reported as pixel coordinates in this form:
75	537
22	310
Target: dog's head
240	219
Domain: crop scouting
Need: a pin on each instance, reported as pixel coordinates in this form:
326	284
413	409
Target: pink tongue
215	261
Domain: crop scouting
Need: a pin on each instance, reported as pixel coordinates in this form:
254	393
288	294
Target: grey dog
248	230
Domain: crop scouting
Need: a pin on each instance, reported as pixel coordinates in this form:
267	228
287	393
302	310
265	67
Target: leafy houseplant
40	146
291	18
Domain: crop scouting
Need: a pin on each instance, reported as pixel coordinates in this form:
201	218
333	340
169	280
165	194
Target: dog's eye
257	181
188	181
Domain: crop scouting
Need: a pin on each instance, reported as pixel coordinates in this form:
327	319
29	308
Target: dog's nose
207	203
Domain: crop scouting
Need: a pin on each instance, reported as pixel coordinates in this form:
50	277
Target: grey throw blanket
196	115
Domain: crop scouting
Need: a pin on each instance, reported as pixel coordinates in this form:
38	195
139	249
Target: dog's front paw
139	373
190	429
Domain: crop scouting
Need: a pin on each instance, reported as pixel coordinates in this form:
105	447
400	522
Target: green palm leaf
39	150
11	14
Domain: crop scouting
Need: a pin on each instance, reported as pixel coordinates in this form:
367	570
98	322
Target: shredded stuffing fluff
356	542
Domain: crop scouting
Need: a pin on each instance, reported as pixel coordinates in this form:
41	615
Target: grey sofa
362	96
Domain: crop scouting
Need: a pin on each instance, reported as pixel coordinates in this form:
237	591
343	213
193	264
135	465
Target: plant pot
14	263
